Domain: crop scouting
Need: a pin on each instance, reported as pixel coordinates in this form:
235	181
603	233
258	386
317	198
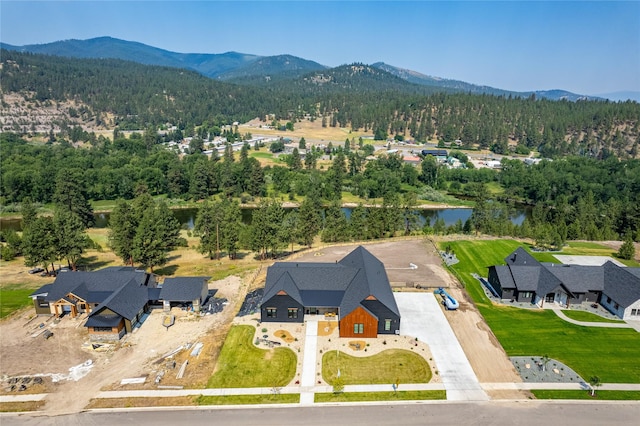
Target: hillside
210	65
271	68
256	70
103	93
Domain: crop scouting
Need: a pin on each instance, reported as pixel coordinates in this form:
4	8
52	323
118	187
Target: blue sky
587	47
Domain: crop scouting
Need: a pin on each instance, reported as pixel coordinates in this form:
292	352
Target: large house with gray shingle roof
355	290
524	279
114	298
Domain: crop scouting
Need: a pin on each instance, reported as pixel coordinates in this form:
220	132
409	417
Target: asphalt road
527	413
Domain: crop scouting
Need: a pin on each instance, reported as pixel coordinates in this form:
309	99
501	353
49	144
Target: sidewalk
169	393
561	314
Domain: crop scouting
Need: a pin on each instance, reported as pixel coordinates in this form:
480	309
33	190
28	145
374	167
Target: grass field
242	365
390	366
14	297
380	396
585	394
609	353
587	317
289	398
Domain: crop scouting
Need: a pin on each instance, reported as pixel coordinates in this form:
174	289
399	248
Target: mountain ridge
251	69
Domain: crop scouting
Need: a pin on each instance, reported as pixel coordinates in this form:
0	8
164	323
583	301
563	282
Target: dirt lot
397	256
136	355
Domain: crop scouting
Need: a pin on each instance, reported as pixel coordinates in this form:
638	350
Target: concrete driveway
423	318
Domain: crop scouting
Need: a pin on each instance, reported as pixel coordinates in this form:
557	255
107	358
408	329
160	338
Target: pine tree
627	250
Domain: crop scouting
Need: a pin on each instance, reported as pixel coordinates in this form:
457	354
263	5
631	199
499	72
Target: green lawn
242	365
390	366
587	316
609	353
380	396
261	154
14	297
289	398
585	394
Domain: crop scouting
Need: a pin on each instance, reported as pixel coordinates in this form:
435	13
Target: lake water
187	217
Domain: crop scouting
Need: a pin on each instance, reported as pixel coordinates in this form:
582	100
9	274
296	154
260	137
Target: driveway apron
423	318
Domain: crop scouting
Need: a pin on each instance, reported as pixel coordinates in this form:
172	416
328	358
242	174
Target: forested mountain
253	69
210	65
132	96
426	80
272	68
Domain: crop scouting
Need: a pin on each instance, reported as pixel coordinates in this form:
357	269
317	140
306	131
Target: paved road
523	413
423	318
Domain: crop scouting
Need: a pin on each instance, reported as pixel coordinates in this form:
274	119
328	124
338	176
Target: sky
586	47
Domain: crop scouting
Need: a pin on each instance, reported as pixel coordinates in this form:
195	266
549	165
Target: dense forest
360	97
574	197
589	189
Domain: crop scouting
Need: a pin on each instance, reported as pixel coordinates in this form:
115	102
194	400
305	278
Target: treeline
141	96
593	199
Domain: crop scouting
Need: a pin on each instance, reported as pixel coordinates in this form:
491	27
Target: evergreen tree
39	244
309	219
627	250
157	233
70	193
122	231
207	227
70	236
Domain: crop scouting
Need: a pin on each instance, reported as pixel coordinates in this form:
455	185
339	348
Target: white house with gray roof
524	279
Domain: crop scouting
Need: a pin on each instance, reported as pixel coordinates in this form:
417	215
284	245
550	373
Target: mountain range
250	69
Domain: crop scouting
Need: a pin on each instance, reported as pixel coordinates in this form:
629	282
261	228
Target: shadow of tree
92	263
166	270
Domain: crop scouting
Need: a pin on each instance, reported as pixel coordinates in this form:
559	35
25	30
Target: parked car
35	270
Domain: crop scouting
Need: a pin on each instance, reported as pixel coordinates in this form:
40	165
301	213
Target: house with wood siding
524	279
354	290
114	299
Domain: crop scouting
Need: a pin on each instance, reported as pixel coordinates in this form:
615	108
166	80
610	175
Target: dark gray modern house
355	290
524	279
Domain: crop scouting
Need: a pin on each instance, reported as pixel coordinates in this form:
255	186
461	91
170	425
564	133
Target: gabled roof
621	285
525	273
42	290
105	280
103	321
126	302
182	289
344	284
371	280
521	257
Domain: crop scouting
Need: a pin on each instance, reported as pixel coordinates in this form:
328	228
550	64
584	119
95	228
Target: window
526	294
358	328
292	313
107	329
608	300
635	312
387	324
272	312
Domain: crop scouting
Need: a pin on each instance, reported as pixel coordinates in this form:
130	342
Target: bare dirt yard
139	354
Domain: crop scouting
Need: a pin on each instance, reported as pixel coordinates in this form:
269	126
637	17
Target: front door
550	297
